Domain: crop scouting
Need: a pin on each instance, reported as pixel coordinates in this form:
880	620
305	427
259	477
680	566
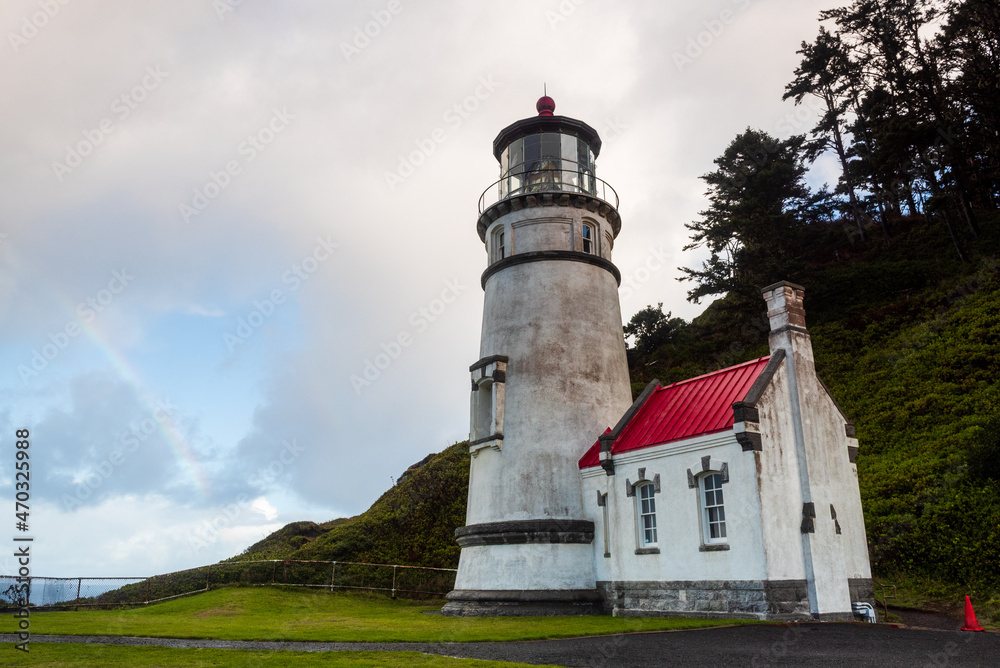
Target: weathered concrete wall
520	567
549	228
558	321
832	527
778	478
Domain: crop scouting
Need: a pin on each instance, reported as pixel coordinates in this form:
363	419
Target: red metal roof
689	408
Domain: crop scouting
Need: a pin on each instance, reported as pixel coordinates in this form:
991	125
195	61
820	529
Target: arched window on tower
589	238
499	244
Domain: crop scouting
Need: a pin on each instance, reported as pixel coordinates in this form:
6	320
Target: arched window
589	238
713	511
499	244
646	513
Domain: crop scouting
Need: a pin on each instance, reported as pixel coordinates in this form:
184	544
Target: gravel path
819	645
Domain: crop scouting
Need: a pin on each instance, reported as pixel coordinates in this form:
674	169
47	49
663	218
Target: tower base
514	602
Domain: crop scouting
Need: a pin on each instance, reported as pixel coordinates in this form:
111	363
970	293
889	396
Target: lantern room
547	153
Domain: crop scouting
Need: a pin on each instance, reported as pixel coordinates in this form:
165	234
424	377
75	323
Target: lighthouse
552	372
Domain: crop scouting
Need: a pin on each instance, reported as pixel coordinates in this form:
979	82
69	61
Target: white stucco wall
780	493
679	521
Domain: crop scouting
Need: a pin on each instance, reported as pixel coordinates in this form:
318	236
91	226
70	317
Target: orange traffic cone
971	623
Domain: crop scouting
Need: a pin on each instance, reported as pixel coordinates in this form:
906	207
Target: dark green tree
824	73
757	200
652	328
969	52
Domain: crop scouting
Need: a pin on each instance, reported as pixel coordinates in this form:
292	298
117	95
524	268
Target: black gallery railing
547	181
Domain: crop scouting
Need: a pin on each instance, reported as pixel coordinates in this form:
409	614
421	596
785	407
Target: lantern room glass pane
550	145
515	159
568	150
545	162
532	150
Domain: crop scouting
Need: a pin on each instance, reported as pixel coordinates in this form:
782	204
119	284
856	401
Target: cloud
232	316
263	506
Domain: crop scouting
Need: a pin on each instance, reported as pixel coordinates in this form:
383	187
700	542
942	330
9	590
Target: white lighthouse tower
552	374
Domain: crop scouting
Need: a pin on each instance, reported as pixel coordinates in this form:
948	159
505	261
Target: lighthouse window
499	244
713	510
647	514
588	238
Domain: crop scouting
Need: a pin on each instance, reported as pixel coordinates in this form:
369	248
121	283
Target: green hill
908	340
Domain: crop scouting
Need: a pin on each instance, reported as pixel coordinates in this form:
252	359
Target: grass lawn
295	614
53	655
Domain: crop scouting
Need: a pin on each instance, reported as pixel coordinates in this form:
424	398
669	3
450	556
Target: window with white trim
646	513
713	509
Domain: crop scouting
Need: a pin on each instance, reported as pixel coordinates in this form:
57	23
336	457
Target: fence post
274	570
394	582
147	590
79	584
333	576
208	577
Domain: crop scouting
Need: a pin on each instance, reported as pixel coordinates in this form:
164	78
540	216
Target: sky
220	218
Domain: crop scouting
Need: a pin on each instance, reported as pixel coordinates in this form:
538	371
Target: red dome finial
545	106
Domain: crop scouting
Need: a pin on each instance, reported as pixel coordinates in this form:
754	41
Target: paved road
813	645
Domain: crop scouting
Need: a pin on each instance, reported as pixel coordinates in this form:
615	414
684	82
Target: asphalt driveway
813	645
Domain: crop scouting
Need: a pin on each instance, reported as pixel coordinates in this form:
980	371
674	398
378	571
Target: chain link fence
74	593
